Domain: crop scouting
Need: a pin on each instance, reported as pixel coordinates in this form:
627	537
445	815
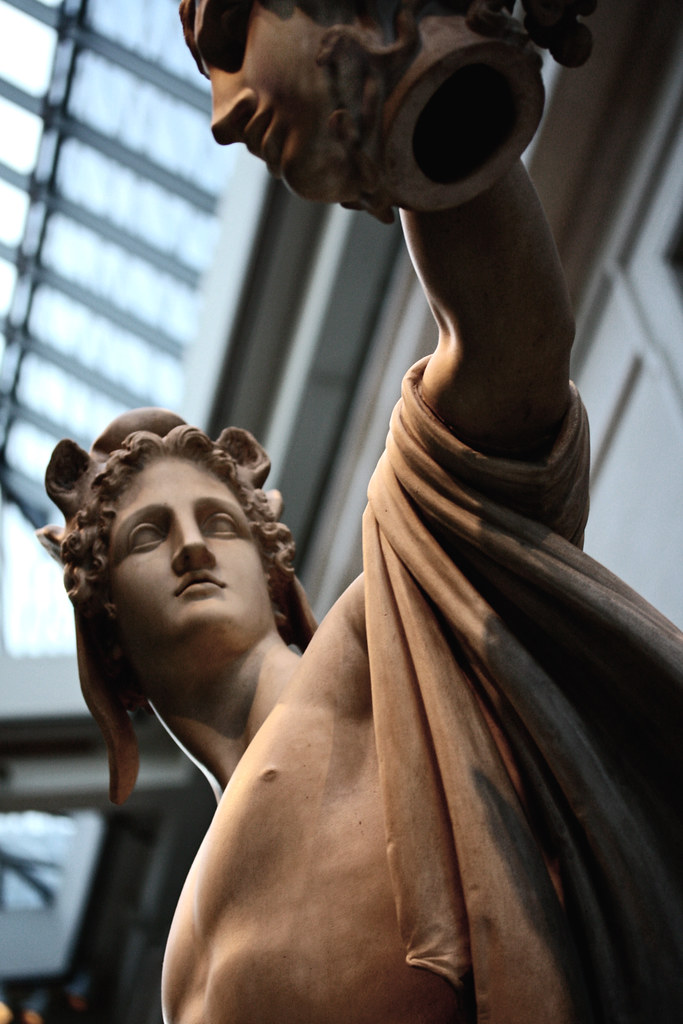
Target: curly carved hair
85	549
552	24
226	24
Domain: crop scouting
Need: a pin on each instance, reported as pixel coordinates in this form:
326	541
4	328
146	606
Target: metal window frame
74	38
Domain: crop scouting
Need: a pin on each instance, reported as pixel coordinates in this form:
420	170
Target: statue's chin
325	174
350	189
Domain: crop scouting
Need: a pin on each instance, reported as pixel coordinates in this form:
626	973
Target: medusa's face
187	580
270	92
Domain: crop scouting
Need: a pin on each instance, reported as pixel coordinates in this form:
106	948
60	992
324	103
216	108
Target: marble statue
459	803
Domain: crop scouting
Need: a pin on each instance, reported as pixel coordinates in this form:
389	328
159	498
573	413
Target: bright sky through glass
8	276
26	54
106	225
13	207
19	136
26	50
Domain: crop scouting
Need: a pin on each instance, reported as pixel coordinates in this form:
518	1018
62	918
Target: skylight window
14	206
20	133
151	29
28	65
107	222
135	204
8	277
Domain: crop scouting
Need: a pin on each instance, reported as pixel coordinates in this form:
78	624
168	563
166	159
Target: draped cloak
527	709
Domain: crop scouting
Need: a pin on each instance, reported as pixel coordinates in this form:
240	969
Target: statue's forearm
489	268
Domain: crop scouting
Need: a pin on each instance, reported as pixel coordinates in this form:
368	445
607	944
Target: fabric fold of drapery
527	712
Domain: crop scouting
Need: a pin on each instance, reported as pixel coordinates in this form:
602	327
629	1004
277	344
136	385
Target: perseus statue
457	801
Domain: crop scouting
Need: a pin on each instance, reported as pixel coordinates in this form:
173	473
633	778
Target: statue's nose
192	553
232	110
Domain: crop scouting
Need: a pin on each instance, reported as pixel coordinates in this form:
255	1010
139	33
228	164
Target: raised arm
499	376
333	108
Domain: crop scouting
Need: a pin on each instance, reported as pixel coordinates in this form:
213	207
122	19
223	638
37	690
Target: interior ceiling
109	181
345	340
117	227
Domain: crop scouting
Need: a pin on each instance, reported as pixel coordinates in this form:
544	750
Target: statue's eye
145	537
219	524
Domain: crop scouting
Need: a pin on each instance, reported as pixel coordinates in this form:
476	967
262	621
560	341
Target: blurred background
141	264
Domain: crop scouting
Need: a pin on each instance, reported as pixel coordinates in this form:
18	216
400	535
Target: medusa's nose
233	106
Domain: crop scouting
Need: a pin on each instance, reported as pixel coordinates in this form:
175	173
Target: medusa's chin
320	169
329	170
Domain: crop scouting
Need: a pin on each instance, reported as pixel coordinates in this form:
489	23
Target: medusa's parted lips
264	136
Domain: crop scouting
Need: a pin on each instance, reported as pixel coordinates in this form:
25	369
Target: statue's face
279	101
186	578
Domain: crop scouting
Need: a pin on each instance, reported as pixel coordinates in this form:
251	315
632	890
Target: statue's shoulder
334	667
344	624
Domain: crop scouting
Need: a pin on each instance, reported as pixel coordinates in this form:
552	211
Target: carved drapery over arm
526	705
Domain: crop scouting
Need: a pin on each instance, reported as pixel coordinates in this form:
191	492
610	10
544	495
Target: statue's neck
214	722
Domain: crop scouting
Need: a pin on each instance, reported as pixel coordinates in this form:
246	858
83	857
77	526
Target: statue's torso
288	913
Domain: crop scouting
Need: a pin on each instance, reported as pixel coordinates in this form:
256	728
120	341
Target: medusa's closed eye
222	33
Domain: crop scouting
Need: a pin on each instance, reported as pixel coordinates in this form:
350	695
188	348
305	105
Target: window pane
97	344
127	281
116	102
72	404
38	616
20	133
136	205
36	846
8	277
21	35
150	29
13	207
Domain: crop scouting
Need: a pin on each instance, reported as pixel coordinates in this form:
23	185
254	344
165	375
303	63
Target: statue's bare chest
288	913
301	810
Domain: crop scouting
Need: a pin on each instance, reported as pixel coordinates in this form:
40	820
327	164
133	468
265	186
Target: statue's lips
262	141
203	580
